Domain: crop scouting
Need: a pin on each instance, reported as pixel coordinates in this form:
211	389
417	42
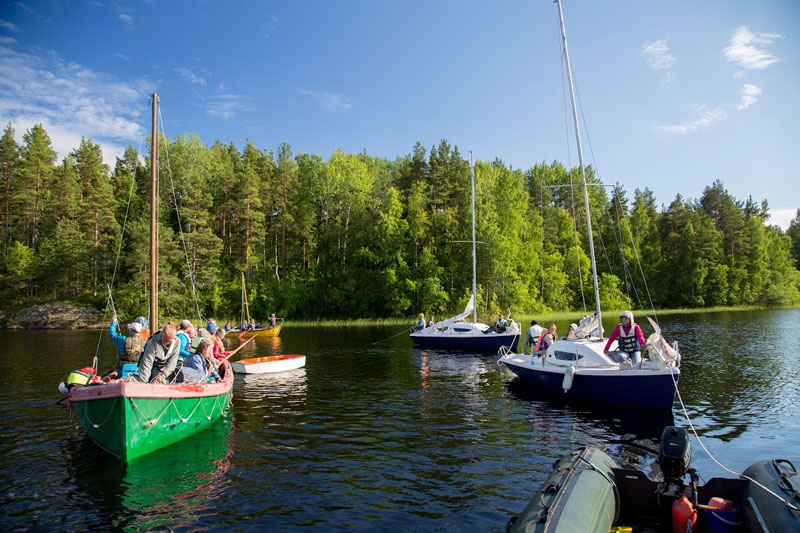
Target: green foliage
358	236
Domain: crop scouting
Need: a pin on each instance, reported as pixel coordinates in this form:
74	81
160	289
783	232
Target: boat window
461	329
566	356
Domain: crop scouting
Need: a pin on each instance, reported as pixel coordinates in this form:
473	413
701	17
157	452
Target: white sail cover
587	327
659	348
467	311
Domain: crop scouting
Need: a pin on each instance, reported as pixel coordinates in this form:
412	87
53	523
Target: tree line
360	236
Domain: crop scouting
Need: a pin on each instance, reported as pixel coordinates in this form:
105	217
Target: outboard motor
675	454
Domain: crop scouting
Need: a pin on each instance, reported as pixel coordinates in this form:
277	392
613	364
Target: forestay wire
178	215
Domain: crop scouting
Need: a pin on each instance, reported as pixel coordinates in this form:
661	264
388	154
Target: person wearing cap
185	334
421	322
128	348
531	336
272	320
630	340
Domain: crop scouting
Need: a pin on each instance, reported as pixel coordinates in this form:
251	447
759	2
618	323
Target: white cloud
125	15
226	106
705	117
71	102
748	49
657	56
191	76
333	103
782	217
750	94
269	26
8	25
7	41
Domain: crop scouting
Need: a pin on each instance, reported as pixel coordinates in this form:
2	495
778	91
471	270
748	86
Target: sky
673	95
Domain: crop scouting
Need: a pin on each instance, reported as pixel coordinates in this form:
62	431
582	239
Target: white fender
569	374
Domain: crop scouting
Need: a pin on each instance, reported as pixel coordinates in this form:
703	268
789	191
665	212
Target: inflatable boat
588	492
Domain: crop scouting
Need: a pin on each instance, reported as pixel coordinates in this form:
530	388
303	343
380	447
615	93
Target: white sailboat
456	334
579	368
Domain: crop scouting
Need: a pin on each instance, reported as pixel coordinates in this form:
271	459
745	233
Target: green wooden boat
132	419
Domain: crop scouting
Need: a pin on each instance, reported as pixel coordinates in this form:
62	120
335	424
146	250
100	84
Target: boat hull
130	420
643	389
266	365
258	332
580	495
489	343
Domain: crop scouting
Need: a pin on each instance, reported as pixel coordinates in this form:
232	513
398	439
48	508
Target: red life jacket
539	341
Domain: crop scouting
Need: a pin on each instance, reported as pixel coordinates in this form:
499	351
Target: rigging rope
110	301
178	216
699	441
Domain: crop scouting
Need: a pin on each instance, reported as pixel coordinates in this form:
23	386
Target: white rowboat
272	363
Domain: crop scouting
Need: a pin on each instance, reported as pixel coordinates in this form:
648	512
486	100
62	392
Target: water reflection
172	487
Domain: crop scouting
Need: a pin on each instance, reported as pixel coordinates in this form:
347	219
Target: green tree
9	161
31	181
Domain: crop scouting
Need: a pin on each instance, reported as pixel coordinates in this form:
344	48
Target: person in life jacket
532	337
546	338
128	348
630	340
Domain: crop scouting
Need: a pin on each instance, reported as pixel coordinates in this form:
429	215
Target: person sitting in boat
160	357
571	334
186	333
421	322
227	326
219	347
128	348
499	325
547	338
272	320
531	336
629	339
431	322
199	366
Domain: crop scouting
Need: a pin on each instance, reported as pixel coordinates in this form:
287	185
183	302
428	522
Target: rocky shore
58	315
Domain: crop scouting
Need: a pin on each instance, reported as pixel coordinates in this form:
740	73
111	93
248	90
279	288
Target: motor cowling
675	453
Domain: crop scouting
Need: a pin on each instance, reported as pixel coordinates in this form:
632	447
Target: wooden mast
154	220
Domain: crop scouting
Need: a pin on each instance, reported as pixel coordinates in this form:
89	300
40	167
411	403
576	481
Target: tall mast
154	220
583	169
474	263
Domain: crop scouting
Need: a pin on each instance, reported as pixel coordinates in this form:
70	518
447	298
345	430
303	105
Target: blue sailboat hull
467	343
656	391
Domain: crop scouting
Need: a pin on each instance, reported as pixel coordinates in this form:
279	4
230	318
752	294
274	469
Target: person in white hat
128	348
630	340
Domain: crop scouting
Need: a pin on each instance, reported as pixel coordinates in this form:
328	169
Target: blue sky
674	94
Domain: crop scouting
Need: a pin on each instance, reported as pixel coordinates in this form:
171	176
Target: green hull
580	495
130	420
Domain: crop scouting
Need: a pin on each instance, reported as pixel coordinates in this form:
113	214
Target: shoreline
67	316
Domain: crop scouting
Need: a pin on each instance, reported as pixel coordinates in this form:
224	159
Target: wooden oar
219	363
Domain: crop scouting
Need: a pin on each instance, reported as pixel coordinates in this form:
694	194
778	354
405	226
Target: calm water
377	436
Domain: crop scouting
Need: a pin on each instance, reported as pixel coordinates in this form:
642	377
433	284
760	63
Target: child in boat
629	340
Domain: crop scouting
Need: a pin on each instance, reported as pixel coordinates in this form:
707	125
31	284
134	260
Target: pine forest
356	236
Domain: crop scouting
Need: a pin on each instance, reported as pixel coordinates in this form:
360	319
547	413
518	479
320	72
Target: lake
378	436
